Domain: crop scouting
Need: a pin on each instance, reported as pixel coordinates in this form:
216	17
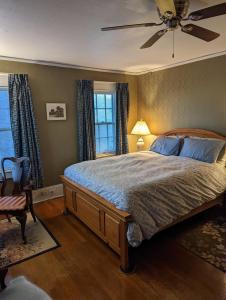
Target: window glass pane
96	131
108	101
100	101
103	131
109	115
97	146
4	110
4	119
95	101
105	123
100	115
111	145
110	130
4	103
6	145
6	141
103	145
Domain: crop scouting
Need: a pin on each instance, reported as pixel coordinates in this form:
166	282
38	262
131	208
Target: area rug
207	238
12	249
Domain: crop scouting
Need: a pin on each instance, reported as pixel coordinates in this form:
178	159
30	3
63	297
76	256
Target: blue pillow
166	145
206	150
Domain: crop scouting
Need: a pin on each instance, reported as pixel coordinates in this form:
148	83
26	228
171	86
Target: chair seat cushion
8	203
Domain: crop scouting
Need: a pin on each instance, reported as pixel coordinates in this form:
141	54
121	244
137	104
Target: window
104	105
6	142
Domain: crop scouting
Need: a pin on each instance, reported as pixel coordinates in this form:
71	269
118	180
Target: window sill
103	155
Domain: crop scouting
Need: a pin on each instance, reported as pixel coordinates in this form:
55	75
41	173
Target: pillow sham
166	145
206	150
222	156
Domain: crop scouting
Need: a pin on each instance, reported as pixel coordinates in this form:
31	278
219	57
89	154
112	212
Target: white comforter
155	189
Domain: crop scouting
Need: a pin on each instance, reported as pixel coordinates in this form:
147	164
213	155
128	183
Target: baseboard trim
46	193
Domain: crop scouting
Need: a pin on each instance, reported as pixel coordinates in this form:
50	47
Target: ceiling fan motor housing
173	23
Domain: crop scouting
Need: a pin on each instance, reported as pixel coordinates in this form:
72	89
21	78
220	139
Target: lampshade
141	128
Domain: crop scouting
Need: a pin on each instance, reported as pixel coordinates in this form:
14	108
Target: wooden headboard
195	132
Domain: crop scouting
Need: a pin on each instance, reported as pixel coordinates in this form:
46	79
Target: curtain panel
24	130
122	112
86	120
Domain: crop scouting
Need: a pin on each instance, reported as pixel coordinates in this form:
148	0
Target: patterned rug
12	249
207	237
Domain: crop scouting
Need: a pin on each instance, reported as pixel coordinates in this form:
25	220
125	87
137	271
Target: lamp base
140	144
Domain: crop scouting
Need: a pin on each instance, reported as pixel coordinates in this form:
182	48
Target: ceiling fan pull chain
173	55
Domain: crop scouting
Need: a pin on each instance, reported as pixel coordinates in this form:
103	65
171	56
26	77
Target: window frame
8	171
113	123
4	88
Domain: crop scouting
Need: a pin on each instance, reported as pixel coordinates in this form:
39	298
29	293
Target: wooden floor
85	268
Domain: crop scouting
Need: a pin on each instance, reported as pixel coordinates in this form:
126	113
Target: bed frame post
126	264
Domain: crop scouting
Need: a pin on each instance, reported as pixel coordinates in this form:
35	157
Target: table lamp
141	129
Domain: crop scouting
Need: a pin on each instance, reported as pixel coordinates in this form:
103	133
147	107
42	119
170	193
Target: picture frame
56	111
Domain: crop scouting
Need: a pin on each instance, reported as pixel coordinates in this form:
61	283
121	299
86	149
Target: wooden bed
110	223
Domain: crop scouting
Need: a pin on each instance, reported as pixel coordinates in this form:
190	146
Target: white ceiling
68	32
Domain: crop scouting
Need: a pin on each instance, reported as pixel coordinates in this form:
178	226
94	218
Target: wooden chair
20	201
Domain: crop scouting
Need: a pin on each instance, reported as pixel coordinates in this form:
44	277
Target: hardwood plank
86	268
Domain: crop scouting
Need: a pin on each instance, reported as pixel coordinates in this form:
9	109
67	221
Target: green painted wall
192	95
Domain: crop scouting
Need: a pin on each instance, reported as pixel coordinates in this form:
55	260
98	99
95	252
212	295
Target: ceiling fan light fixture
168	14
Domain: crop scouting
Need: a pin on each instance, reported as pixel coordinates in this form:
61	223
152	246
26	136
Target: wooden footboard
106	221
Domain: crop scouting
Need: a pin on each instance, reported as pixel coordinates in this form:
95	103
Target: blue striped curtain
23	125
86	120
122	112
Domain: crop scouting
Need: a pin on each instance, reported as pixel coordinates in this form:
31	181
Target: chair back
21	173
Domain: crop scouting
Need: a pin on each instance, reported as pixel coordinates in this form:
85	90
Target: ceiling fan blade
130	26
166	6
209	12
154	39
200	32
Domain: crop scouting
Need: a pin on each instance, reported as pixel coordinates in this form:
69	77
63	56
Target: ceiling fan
172	13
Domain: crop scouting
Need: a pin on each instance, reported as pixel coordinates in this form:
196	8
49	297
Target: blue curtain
23	125
86	120
122	112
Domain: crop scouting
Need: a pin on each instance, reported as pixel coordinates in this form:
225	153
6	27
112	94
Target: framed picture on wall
56	111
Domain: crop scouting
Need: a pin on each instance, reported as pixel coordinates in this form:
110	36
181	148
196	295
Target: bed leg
126	263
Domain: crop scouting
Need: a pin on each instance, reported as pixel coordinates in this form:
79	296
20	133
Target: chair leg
31	207
3	273
22	219
32	212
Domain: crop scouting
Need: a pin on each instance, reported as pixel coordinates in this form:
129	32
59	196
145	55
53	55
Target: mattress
155	189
